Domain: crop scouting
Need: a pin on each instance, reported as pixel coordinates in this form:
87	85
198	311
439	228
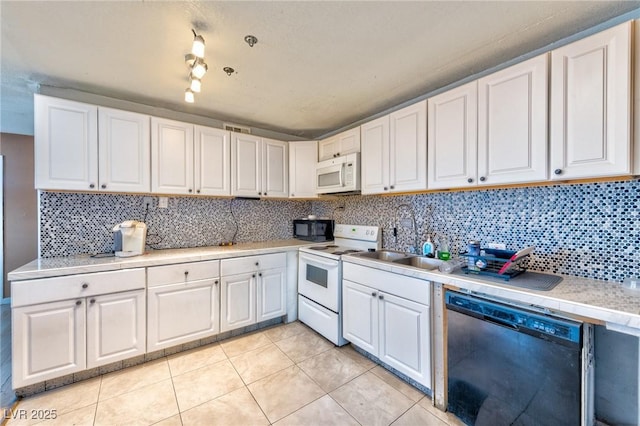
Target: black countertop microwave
313	229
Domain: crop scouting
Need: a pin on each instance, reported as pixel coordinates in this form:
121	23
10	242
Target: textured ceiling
318	66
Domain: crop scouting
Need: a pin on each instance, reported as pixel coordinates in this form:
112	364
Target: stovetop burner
346	251
319	247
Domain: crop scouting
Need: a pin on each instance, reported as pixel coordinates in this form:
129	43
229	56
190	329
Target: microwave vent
237	128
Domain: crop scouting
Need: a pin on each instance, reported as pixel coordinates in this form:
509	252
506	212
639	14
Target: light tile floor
285	375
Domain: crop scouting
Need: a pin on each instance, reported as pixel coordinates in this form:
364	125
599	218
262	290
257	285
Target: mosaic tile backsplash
587	230
72	224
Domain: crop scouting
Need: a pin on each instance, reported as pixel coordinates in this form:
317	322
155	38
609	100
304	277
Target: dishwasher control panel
515	317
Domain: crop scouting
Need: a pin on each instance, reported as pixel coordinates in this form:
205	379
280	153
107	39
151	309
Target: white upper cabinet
212	161
66	144
246	165
172	157
394	151
259	167
188	159
408	148
123	151
82	147
591	106
375	156
275	168
303	157
512	124
344	143
453	138
491	131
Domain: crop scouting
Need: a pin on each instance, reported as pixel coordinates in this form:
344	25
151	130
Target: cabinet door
452	140
171	157
48	341
275	168
408	148
180	313
115	327
360	316
272	292
512	124
237	301
124	148
348	142
375	156
405	337
246	165
303	157
328	148
66	144
212	161
590	106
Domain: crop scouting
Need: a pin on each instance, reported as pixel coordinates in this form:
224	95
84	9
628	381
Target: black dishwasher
510	366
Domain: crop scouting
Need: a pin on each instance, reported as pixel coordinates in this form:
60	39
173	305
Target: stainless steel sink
384	255
420	262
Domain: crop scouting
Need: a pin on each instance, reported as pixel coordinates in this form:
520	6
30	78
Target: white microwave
340	174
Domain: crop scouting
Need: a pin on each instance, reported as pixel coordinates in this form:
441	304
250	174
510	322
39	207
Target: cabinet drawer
182	272
241	265
400	285
44	290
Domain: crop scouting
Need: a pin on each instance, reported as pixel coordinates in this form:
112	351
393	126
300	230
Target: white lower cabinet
253	289
48	341
67	324
392	328
183	303
115	327
238	306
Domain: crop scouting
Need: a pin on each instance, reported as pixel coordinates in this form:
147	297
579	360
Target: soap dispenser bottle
428	248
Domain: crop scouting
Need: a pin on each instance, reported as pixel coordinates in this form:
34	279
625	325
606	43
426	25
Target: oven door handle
314	260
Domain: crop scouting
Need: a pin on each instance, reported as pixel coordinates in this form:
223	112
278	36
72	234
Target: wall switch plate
163	202
497	246
147	201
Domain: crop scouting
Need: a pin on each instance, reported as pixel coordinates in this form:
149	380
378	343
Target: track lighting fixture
197	67
188	96
198	45
196	84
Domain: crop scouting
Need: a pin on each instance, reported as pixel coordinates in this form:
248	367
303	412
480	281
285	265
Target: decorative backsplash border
587	230
72	223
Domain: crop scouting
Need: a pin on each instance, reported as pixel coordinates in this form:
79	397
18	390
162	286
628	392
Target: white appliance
130	238
320	278
341	174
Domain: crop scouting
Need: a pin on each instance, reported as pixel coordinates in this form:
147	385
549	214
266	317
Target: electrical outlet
147	202
497	246
163	202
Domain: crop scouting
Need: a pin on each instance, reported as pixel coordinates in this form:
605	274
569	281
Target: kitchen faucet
414	248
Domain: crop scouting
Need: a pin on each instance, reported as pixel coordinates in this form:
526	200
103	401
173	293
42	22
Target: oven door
319	280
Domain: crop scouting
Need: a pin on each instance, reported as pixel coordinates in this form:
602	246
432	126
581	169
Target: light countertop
593	300
58	266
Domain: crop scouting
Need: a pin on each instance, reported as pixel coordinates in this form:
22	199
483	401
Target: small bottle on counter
473	250
428	248
443	252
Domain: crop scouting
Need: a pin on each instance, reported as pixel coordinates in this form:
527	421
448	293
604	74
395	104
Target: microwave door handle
342	174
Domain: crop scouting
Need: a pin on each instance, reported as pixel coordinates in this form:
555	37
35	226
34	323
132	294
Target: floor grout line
361	362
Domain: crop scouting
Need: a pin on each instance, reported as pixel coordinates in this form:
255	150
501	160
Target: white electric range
320	278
